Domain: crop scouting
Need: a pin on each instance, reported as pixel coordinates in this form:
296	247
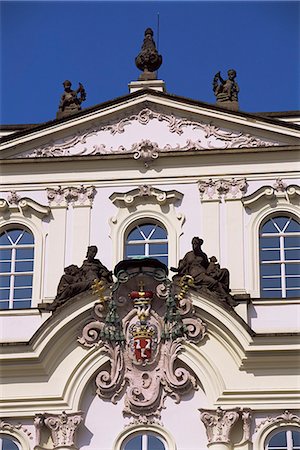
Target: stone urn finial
148	60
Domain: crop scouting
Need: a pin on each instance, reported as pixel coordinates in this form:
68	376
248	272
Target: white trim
17	436
263	436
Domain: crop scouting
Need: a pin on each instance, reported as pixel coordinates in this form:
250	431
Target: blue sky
45	42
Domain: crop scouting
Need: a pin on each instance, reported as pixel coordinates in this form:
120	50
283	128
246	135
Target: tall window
285	440
16	268
148	240
280	257
145	442
8	444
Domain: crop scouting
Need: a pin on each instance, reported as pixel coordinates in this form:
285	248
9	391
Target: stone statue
148	60
76	280
205	273
226	91
70	102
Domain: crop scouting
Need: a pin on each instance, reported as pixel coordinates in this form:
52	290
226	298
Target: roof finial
148	60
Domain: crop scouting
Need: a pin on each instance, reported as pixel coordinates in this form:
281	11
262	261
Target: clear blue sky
44	43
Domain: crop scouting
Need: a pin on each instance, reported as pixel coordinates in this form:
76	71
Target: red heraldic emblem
142	348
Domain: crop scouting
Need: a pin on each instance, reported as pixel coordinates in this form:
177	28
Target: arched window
16	268
147	240
279	244
7	443
145	442
284	440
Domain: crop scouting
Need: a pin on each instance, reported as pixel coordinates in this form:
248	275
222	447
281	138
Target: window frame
12	274
286	429
146	242
145	442
39	244
251	236
134	430
281	262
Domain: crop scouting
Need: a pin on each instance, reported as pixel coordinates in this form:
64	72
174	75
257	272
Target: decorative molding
149	192
287	417
83	195
146	151
219	423
143	332
222	188
16	203
213	137
10	428
62	427
272	194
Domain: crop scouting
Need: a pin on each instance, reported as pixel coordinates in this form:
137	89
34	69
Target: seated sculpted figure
76	280
226	90
205	274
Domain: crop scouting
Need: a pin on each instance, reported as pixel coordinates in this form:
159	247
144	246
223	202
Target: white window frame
252	231
146	241
134	430
282	261
12	274
288	432
15	221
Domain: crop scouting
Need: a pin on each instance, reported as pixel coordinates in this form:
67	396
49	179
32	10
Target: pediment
158	124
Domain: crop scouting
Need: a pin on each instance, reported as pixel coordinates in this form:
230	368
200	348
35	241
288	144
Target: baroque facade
126	354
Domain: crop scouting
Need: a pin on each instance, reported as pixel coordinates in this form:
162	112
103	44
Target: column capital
219	423
62	427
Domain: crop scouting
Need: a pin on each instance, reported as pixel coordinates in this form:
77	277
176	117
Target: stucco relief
11	427
14	203
62	427
222	188
219	424
286	417
175	134
82	195
141	325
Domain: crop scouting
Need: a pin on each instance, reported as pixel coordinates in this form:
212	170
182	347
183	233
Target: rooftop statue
226	91
148	60
70	101
205	273
76	280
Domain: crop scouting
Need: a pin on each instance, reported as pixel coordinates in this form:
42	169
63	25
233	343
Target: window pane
4	281
271	294
269	227
5	267
4	294
292	254
296	437
22	304
21	293
163	259
271	282
270	269
27	238
155	444
292	282
23	280
292	241
24	253
278	440
8	444
292	269
159	233
158	249
135	250
270	255
24	266
5	254
4	239
134	444
269	242
293	293
294	226
135	235
281	222
4	305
